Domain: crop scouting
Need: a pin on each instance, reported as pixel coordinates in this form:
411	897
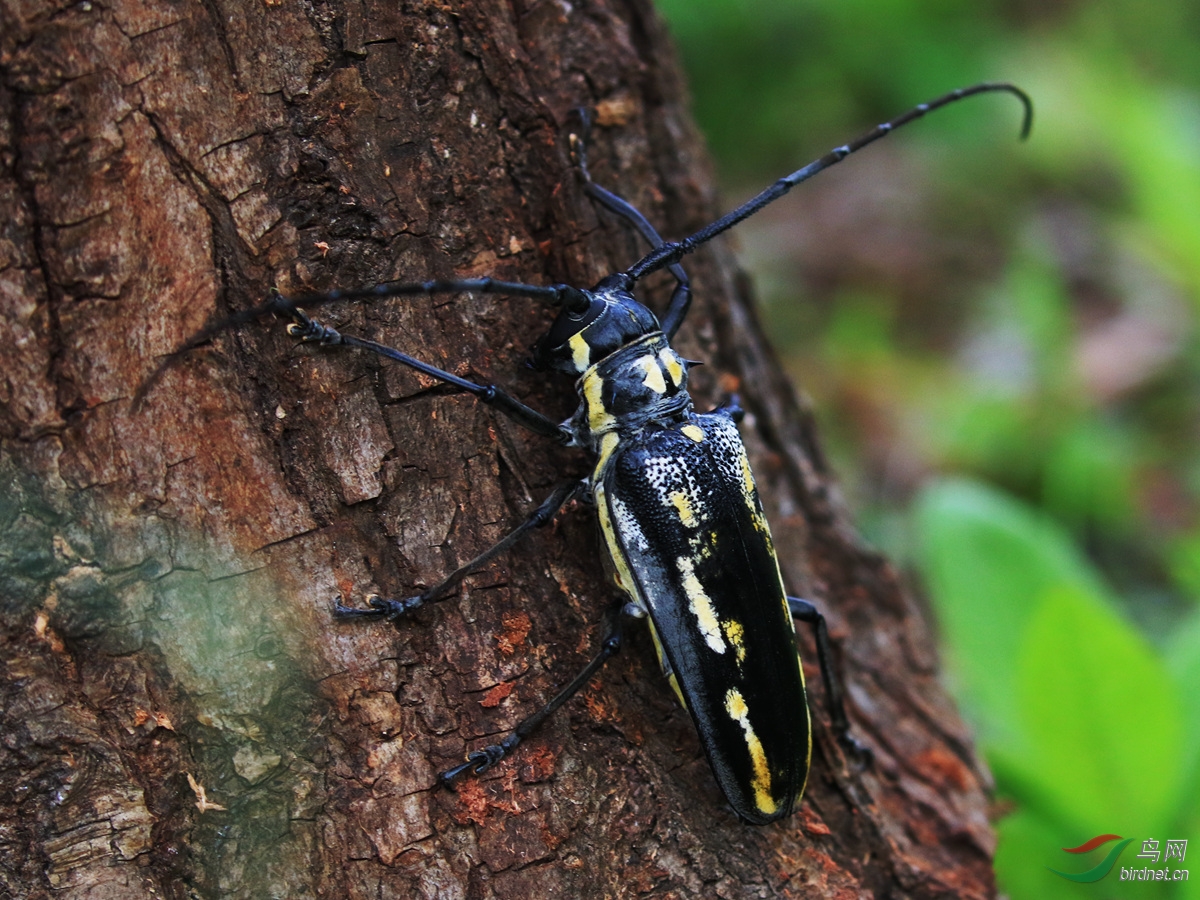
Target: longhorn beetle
677	505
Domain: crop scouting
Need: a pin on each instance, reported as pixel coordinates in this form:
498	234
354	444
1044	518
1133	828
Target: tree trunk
181	715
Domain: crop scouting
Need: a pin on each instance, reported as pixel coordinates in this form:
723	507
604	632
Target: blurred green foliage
1001	341
1088	728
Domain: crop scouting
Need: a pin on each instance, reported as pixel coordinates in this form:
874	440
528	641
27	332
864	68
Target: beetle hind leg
809	614
385	608
480	761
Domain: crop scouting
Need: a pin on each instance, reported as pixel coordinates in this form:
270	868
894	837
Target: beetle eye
567	324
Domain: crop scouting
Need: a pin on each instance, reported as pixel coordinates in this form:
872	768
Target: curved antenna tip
1026	102
1027	121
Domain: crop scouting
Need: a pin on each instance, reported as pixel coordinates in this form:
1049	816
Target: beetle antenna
673	251
276	304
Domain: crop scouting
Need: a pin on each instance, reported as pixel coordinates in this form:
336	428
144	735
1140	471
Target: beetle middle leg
381	607
309	330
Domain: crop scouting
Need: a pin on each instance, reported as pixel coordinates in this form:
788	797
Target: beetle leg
481	760
381	607
559	295
310	331
732	409
808	613
681	297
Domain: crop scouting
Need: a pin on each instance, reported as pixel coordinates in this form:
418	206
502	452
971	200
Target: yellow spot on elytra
670	361
735	634
654	376
700	605
749	495
747	477
695	432
684	506
581	353
735	705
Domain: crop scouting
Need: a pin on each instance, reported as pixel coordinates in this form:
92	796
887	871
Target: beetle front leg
480	761
384	608
808	613
310	331
681	297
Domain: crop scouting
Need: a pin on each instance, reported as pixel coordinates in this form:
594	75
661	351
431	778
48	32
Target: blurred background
1002	343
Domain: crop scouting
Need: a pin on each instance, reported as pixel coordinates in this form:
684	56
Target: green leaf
1183	662
1088	473
1101	718
1027	850
1183	560
988	561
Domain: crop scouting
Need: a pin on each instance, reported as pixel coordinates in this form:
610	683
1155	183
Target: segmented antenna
673	251
665	256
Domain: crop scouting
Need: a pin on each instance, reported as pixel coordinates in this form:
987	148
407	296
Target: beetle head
606	319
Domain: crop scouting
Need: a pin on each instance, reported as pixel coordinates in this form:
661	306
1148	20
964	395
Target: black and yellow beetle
678	508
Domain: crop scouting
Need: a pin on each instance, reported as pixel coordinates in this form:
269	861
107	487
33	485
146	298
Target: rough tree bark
180	715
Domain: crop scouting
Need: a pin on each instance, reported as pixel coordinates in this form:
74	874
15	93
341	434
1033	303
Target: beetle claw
394	609
378	608
477	762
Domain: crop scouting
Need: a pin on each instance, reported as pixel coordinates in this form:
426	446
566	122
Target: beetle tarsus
310	331
480	761
379	608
